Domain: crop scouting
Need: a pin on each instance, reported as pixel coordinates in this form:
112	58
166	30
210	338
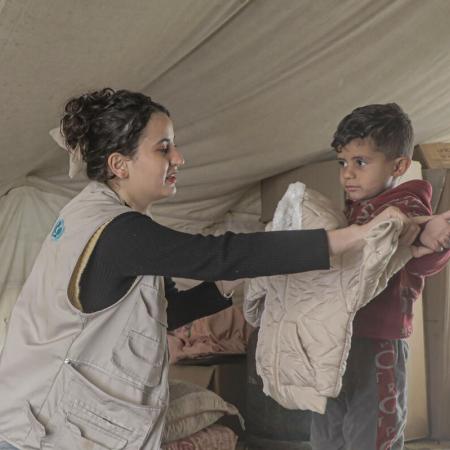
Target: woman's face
152	170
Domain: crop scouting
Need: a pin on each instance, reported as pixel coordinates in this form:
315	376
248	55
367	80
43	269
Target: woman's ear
117	164
401	165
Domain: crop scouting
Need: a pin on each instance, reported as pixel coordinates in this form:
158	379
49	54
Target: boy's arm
432	236
435	235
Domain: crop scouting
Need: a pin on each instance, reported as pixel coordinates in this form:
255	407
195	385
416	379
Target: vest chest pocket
140	352
142	357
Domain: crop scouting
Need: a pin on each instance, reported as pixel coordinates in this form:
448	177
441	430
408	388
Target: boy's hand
436	234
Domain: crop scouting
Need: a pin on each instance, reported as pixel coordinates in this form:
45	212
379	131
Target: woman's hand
410	229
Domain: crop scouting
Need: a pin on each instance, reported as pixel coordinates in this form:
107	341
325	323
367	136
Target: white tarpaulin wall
255	87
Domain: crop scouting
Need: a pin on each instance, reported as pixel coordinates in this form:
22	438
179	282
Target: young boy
374	146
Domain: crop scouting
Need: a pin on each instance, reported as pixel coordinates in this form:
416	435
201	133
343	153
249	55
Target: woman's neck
125	198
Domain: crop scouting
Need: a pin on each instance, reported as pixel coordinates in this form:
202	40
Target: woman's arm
344	239
353	235
191	304
133	244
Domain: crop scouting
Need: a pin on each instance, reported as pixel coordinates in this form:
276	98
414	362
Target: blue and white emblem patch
58	229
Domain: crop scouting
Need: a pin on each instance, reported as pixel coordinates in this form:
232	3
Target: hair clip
76	163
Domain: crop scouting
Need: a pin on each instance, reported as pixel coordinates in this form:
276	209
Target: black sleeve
185	306
133	244
137	245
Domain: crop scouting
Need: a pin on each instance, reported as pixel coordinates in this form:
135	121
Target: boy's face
366	172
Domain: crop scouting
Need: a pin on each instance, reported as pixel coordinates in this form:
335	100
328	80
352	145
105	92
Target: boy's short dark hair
388	126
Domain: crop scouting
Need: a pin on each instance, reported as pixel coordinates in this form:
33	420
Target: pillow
193	408
215	437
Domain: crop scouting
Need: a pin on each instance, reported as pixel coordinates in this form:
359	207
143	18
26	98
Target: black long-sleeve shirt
133	244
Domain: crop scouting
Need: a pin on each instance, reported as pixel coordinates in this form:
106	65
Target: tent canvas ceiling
254	87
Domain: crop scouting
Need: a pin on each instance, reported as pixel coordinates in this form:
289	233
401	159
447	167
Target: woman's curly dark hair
106	121
388	126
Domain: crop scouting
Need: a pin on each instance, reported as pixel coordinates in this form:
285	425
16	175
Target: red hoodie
389	315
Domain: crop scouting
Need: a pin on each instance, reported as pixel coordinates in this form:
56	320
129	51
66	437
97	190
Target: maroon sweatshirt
389	315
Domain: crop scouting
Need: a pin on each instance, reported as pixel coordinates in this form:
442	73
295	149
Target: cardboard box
437	325
433	156
437	179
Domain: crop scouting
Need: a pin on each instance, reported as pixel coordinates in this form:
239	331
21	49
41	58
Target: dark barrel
268	424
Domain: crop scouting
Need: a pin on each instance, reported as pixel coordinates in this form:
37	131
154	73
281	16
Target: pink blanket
225	332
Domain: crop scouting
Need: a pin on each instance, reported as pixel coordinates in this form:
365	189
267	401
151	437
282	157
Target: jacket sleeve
429	264
254	300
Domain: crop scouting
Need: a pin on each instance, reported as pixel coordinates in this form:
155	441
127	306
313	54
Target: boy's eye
361	162
342	162
164	150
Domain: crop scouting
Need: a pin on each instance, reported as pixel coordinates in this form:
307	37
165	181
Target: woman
85	363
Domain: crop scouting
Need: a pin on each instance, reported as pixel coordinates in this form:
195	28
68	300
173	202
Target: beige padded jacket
306	319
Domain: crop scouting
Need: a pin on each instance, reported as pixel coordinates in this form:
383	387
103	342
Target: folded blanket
214	437
225	332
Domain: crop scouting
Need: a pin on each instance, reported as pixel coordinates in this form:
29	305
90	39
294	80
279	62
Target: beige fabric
53	50
306	318
214	437
76	163
74	380
192	408
270	87
243	111
26	216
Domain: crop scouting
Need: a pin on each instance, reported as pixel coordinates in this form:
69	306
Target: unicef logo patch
58	229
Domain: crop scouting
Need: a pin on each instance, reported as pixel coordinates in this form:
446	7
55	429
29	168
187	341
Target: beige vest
71	380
